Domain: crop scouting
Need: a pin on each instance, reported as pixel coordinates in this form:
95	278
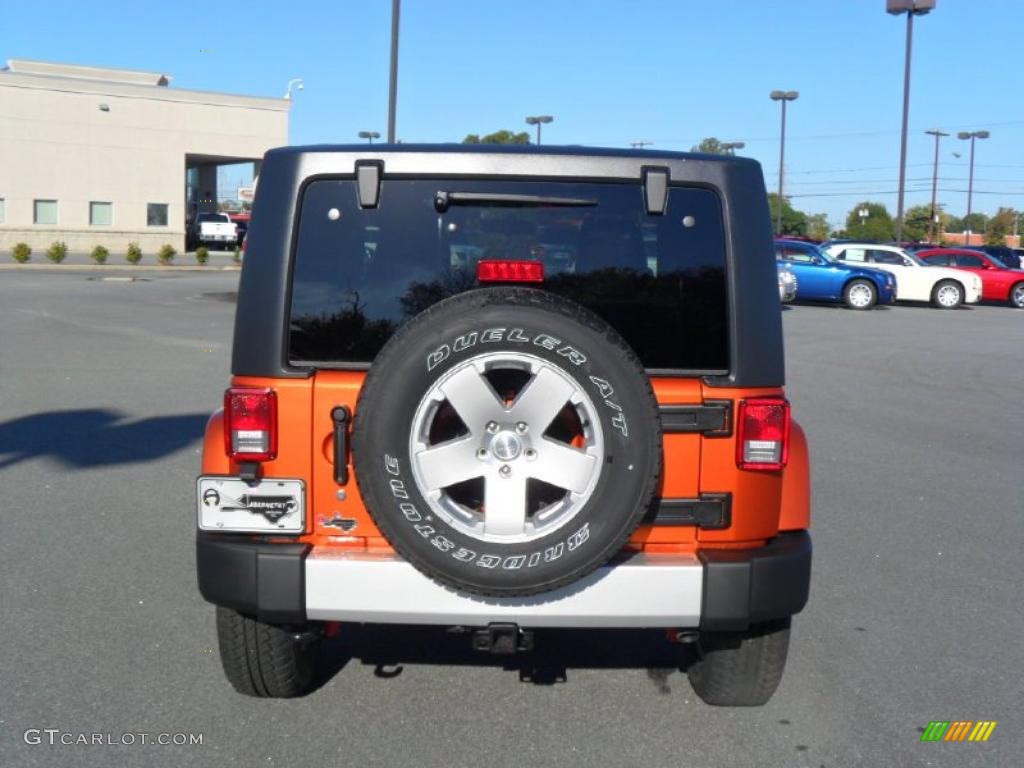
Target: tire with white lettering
506	442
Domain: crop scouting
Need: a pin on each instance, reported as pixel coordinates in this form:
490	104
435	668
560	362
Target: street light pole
935	181
295	83
369	135
911	8
730	147
972	135
396	8
539	120
782	96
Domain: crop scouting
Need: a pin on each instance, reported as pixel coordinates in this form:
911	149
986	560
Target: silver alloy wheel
860	295
506	446
948	295
1017	297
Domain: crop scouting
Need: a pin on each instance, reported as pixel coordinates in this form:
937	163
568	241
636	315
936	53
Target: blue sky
610	71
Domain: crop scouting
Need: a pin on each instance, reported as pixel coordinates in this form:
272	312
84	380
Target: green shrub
237	255
57	251
99	254
21	253
166	254
202	254
134	254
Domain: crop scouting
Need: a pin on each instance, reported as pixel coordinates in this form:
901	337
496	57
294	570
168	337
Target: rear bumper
716	590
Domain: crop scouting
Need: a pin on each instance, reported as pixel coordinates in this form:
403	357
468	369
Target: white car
915	281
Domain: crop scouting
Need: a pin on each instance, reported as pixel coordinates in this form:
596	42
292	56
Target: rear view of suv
506	389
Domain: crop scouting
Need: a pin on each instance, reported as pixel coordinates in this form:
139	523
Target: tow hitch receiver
502	639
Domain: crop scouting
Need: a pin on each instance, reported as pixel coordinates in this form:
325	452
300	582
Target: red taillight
250	424
509	271
762	440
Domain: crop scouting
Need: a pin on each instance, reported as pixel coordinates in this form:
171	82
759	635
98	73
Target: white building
97	156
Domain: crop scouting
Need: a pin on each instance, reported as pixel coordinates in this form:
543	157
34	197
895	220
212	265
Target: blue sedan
820	278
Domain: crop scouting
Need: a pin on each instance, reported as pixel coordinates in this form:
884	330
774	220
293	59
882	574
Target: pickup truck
213	229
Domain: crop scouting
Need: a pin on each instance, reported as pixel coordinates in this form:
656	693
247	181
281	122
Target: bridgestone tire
266	660
473	534
741	669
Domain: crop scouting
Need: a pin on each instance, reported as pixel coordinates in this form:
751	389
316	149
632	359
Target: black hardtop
755	336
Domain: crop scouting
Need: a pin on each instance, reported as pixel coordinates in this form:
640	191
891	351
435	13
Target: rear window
218	218
360	273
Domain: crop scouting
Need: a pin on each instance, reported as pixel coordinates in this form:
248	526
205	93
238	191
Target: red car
998	282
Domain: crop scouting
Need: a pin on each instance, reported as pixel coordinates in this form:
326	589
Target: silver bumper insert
642	591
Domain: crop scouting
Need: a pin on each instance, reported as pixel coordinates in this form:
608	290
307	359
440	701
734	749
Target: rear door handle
341	417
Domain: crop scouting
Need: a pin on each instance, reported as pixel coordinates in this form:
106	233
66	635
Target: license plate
231	504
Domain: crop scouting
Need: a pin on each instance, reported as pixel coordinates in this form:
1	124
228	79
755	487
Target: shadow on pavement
556	652
96	437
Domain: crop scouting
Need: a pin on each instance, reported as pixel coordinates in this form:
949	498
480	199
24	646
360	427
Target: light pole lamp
912	8
369	135
972	135
782	96
539	120
730	147
296	84
935	181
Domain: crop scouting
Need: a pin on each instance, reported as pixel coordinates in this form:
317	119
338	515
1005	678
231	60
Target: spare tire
506	442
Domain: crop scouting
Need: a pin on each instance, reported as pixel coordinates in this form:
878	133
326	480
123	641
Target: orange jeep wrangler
504	388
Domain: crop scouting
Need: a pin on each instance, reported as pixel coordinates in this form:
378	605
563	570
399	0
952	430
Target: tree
976	222
999	226
794	222
709	146
498	137
817	226
877	225
917	222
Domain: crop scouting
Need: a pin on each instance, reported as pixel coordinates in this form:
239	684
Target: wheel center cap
506	446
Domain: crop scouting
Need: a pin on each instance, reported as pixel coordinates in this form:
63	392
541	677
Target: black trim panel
263	580
711	511
744	587
712	419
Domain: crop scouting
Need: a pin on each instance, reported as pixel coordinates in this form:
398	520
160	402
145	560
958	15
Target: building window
44	212
3	211
156	214
101	214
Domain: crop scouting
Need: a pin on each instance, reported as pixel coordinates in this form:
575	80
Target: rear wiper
444	200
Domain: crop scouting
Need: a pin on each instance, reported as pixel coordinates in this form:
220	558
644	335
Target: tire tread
264	660
741	669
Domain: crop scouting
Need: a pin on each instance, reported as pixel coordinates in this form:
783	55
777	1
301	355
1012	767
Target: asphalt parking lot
915	419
